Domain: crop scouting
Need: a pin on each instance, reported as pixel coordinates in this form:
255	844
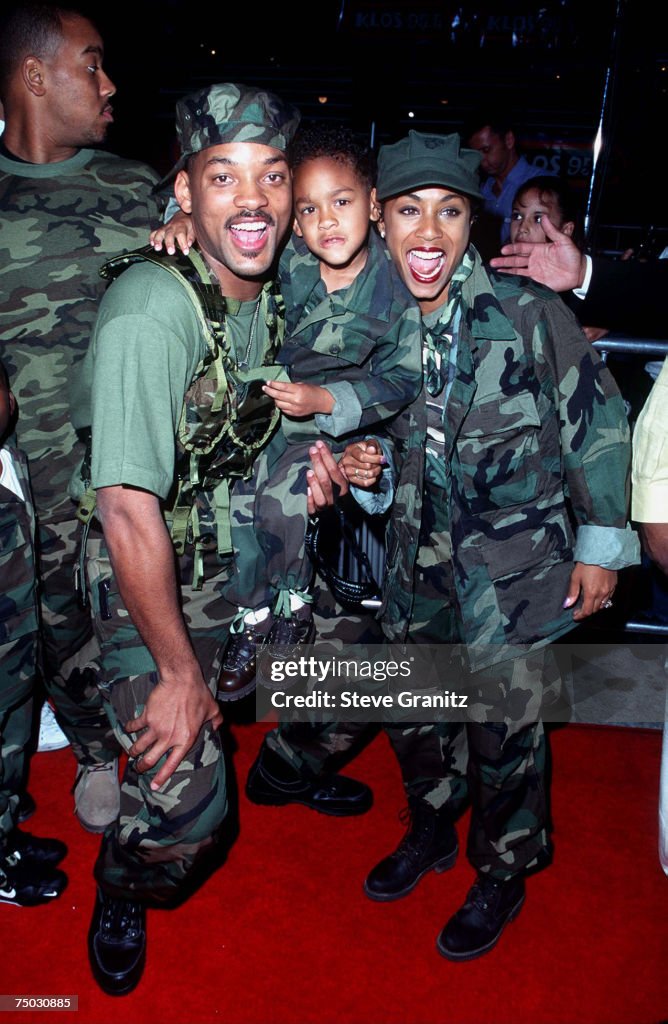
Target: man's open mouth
425	264
250	235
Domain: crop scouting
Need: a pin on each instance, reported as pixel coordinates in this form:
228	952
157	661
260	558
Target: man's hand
299	399
325	474
559	264
363	462
170	723
142	557
594	584
177	231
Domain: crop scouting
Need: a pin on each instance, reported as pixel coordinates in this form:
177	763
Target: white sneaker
51	736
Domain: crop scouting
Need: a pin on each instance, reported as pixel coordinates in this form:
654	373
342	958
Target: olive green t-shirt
146	346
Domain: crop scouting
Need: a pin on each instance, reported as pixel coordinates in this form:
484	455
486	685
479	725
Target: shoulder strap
192	274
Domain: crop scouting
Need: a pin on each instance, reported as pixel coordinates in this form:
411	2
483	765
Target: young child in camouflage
27	874
352	351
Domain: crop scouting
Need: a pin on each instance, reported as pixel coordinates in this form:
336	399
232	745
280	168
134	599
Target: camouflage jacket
362	343
18	605
537	449
58	224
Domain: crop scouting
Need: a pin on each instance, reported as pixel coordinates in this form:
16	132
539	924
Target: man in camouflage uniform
519	434
27	873
64	209
156	379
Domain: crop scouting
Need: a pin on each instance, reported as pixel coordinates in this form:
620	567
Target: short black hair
496	120
325	140
30	29
4	377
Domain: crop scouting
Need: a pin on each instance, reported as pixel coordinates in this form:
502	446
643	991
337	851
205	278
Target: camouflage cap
421	160
231	113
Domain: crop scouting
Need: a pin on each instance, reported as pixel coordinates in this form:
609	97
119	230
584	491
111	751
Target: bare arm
655	537
142	557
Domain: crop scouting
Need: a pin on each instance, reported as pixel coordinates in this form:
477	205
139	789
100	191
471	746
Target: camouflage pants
499	766
17	677
158	838
69	648
268	522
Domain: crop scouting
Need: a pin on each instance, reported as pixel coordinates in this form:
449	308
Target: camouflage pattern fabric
367	337
58	224
535	434
229	112
158	837
18	598
481	548
18	639
17	678
268	519
234	113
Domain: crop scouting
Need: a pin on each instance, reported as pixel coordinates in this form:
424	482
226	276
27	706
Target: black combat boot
117	943
476	927
430	843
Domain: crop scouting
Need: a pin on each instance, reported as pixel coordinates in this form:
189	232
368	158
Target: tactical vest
226	418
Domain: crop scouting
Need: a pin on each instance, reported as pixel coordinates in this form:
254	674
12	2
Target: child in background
27	873
538	196
353	354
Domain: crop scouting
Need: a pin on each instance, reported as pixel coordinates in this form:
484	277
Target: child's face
527	213
332	211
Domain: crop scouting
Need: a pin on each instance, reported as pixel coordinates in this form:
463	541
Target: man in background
65	207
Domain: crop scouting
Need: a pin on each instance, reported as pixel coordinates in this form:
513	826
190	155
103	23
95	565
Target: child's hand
177	231
299	399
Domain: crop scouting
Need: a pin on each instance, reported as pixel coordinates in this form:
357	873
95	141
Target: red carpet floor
283	934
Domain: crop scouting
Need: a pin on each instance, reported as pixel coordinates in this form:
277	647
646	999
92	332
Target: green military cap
231	113
421	160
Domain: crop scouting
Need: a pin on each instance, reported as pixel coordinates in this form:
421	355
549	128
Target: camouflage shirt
58	224
18	596
363	343
537	469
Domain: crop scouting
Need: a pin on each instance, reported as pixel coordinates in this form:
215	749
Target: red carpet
283	934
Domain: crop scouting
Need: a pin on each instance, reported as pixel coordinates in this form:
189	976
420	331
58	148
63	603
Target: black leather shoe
27	807
239	663
35	850
430	844
273	781
476	927
117	943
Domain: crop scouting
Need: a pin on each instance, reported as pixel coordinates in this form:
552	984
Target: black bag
324	534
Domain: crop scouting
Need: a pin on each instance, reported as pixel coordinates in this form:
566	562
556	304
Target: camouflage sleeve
395	372
594	434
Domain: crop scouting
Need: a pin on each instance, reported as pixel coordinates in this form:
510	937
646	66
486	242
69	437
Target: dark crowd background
384	67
